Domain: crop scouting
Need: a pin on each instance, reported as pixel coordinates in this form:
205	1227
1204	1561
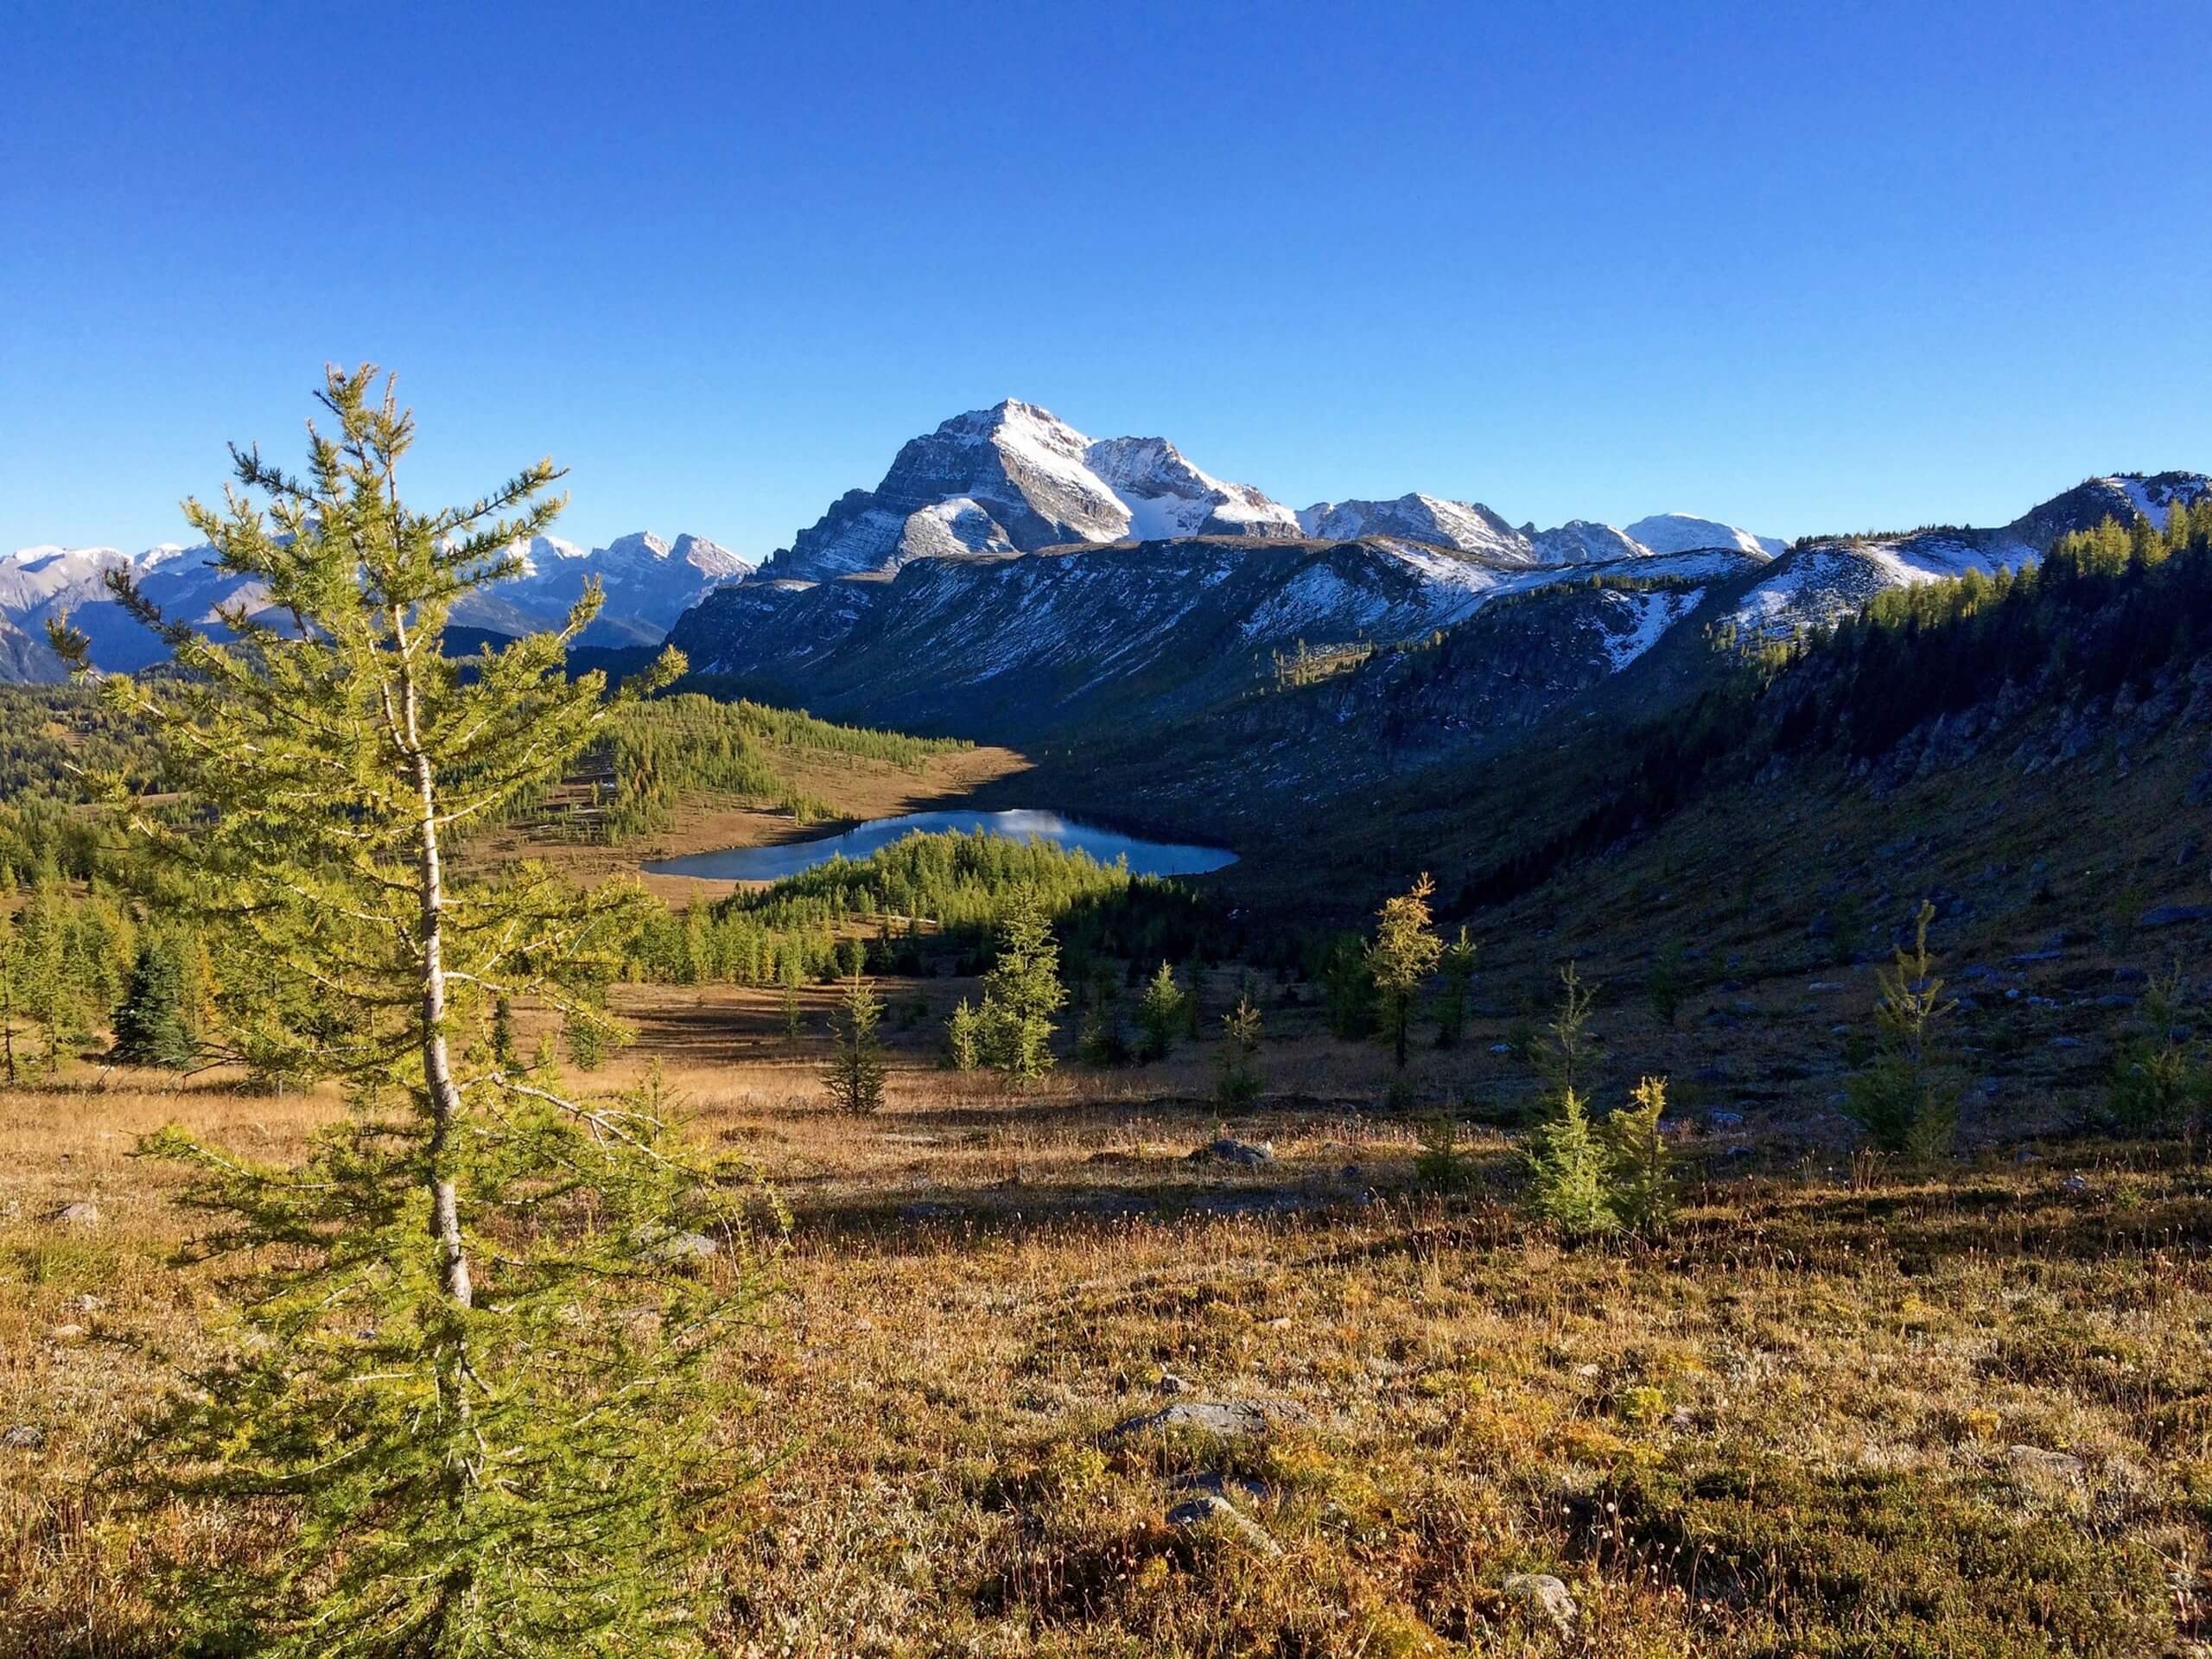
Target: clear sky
1801	267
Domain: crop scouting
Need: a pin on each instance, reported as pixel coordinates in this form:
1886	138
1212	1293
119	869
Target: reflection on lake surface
789	858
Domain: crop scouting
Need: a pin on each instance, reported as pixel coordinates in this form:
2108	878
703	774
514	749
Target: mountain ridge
648	582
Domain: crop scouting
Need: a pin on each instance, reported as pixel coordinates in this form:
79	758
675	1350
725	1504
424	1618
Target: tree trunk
437	1066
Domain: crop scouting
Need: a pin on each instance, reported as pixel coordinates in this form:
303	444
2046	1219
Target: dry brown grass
1790	1429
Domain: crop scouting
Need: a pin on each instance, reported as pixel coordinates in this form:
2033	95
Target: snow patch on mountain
1636	621
2155	494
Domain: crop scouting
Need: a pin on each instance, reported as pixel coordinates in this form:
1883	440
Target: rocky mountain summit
1015	479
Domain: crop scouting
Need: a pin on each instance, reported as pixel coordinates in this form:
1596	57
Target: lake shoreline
775	860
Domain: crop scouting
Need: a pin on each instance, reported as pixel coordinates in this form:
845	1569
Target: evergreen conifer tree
463	1370
963	1036
1640	1180
1568	1168
1239	1081
1906	1099
854	1074
1160	1015
150	1022
1458	965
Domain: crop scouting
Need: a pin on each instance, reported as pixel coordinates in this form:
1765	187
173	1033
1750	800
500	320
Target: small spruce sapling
854	1075
1640	1182
1904	1099
150	1022
1022	993
1458	966
1570	1172
1102	1041
2160	1083
1442	1165
963	1036
1238	1082
1160	1015
1664	985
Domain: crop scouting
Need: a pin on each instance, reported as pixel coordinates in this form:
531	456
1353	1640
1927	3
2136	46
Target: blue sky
1845	267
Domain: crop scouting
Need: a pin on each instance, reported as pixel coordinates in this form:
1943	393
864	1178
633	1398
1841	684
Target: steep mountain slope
26	661
1010	649
649	583
1014	478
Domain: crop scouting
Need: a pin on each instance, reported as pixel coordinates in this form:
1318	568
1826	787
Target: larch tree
473	1396
1404	952
1022	992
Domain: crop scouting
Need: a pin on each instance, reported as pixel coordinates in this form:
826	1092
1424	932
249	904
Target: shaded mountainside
25	660
1012	650
2086	670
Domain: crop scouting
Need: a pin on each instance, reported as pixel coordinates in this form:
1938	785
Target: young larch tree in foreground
473	1385
1404	952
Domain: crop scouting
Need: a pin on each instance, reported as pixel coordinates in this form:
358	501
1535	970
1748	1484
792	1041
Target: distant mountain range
1014	579
1011	575
1016	478
649	583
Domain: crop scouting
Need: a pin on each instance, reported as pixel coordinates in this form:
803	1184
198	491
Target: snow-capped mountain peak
1014	478
1683	532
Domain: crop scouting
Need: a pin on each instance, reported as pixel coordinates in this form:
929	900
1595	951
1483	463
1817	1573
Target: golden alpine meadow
1503	1218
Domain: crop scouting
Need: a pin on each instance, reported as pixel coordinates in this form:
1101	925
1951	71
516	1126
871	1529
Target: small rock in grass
1171	1383
1228	1486
24	1437
1724	1120
1213	1510
684	1247
1232	1419
65	1333
1543	1596
2076	1182
83	1213
1228	1150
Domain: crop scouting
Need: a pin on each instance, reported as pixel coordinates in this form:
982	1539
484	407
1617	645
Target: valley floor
1837	1411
